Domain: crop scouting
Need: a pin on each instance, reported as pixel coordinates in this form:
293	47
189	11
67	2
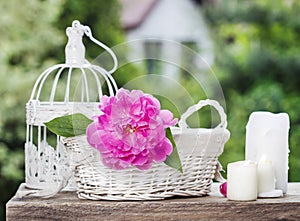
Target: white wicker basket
199	149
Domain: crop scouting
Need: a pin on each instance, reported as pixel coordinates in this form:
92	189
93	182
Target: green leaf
70	125
173	160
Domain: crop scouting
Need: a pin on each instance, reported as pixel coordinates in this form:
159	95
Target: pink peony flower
131	130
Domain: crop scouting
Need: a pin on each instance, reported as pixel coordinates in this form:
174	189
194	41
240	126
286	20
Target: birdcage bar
108	78
100	93
55	82
67	94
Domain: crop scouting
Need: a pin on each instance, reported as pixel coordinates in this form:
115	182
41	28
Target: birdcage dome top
74	80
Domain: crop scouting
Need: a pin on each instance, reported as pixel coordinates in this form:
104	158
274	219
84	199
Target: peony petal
168	146
145	166
106	104
159	155
128	159
161	151
121	165
93	135
91	128
140	160
167	117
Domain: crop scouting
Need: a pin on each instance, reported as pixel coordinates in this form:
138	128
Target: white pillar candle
267	135
242	181
265	176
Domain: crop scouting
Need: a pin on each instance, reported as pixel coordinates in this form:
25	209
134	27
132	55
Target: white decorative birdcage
63	89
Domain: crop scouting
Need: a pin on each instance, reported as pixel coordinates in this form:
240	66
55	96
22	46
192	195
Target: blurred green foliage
23	31
258	63
33	39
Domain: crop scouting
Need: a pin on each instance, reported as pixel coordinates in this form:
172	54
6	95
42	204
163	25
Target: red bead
223	189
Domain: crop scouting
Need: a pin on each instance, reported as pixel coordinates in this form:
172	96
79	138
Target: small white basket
199	149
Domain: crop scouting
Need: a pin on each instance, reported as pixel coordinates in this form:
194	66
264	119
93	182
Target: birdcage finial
75	50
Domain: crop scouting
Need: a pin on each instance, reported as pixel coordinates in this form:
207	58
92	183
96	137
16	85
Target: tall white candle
242	181
267	135
266	176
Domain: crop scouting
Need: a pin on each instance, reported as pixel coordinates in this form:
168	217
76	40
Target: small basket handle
192	109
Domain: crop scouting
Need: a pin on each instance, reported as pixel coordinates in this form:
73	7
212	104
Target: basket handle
192	109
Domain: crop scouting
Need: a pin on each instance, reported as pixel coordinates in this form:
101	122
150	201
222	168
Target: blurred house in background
159	30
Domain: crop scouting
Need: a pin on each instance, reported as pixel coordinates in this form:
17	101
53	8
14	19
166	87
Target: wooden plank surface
66	206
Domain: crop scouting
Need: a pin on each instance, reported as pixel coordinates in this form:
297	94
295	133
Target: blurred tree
33	38
261	41
24	30
258	64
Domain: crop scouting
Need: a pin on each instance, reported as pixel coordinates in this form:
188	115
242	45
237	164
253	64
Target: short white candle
265	176
267	135
242	181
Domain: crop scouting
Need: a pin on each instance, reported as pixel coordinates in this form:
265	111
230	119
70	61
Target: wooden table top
66	206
